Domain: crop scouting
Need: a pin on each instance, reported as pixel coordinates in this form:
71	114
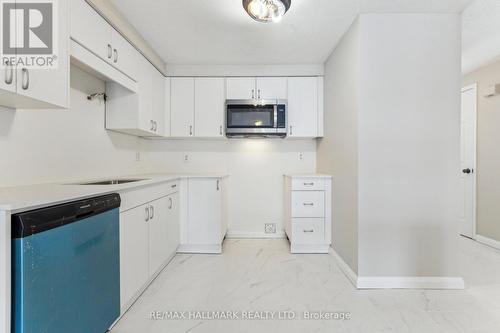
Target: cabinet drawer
308	231
308	184
308	204
142	195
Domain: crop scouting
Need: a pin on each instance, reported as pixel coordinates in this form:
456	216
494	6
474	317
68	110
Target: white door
90	30
209	107
182	107
303	107
272	88
158	234
173	237
134	252
50	85
468	161
205	211
241	88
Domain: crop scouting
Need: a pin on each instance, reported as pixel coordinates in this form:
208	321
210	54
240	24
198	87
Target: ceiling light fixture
266	10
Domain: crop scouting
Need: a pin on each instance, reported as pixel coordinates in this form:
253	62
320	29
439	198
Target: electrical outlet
270	228
137	156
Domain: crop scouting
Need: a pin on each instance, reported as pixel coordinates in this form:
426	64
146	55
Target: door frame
474	174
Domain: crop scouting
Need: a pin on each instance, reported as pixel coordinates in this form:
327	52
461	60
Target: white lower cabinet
308	213
149	237
205	226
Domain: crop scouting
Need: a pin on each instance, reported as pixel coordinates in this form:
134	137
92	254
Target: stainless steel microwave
248	118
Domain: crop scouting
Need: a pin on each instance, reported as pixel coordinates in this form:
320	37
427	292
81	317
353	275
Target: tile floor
261	275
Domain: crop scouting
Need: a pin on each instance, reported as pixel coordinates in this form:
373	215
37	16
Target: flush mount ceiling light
266	10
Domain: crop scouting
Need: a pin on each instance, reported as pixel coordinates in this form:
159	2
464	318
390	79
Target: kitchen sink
112	182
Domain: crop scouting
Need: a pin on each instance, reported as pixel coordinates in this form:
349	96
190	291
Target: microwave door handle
275	116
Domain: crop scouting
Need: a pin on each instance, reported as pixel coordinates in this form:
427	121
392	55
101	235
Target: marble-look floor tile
261	275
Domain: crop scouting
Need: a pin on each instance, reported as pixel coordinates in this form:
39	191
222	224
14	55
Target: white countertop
28	197
308	175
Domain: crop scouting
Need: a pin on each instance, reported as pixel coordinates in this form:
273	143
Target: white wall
409	144
256	169
338	150
40	146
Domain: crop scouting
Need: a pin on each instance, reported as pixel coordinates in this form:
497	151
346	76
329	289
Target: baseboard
345	268
254	235
396	282
309	248
409	282
488	241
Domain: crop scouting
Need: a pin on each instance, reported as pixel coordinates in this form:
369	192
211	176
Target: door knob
467	171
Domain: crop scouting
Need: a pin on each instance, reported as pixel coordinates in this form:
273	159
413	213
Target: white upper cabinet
29	87
90	30
241	88
124	55
182	107
209	107
303	106
271	88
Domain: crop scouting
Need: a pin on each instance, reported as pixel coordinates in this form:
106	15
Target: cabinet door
158	101
303	106
124	55
173	224
241	88
158	234
90	30
134	252
209	107
145	95
205	211
166	107
182	107
50	85
272	88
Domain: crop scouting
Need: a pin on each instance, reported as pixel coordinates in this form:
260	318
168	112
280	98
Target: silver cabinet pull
308	231
174	186
151	212
171	203
308	204
110	51
26	79
190	129
308	184
147	214
258	92
9	72
220	130
218	187
291	130
253	93
115	52
152	125
155	125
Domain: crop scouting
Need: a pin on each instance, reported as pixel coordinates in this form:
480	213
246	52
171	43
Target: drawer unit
308	213
308	184
308	204
308	230
141	195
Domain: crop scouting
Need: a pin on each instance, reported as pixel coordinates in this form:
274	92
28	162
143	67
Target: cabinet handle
218	185
26	79
152	125
190	129
258	92
220	130
152	212
9	72
110	51
147	214
308	184
174	186
308	231
291	130
253	93
308	204
155	125
171	203
116	56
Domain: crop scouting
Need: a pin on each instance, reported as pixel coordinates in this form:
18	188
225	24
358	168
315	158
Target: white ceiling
211	32
481	34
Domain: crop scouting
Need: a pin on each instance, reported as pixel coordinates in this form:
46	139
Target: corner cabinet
31	88
308	213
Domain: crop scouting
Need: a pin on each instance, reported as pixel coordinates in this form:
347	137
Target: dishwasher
66	267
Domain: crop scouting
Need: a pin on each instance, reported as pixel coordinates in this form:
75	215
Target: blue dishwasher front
66	267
